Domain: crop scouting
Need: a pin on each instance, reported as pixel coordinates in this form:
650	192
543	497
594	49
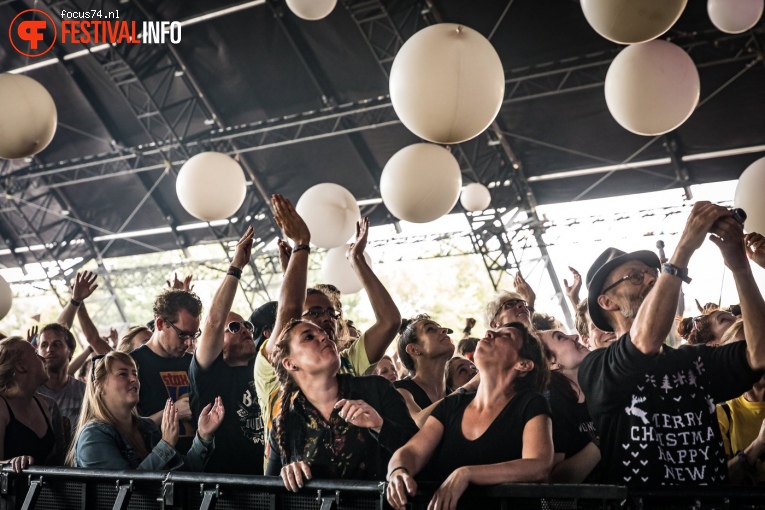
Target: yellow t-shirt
353	360
746	420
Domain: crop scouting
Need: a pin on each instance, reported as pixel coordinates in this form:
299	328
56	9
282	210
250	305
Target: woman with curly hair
331	425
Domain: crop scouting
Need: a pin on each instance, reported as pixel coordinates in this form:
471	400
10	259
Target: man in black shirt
163	363
223	366
653	405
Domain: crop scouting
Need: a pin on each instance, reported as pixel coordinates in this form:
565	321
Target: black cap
599	271
263	318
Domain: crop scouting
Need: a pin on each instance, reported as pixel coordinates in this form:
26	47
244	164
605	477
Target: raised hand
285	252
243	250
210	419
728	235
293	474
359	413
360	243
755	248
114	337
703	216
400	485
32	334
572	291
181	285
84	285
289	221
524	289
170	429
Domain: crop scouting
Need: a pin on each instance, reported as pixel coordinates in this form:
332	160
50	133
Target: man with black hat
223	366
654	406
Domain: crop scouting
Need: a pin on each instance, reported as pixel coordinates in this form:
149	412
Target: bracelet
75	303
396	469
299	247
235	272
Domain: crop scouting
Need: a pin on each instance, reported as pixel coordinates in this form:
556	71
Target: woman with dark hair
706	329
424	347
503	432
459	372
331	425
577	454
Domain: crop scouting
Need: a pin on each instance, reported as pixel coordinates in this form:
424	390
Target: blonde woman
112	435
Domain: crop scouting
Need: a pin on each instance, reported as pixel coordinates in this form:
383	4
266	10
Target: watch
676	271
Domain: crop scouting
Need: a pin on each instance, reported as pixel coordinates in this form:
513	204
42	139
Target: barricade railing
46	488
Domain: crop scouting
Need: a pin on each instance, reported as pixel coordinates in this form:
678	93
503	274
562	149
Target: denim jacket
101	446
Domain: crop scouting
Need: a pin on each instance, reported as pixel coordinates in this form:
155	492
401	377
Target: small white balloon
331	213
475	197
652	88
311	10
632	21
28	117
337	270
211	186
748	196
447	83
735	16
6	298
421	183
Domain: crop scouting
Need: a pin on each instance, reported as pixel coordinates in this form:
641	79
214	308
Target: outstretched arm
84	285
211	343
387	317
292	296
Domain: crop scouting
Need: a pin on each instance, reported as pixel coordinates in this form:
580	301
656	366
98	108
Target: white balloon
421	183
6	298
331	213
211	186
735	16
652	88
632	21
337	270
475	197
748	196
28	117
447	83
311	10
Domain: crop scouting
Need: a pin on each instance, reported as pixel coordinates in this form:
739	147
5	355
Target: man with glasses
222	366
163	363
653	405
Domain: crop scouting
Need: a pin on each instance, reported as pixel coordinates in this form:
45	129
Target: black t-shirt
501	442
573	428
162	378
239	442
419	395
656	413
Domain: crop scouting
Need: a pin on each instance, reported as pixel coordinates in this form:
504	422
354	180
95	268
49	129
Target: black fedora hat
263	318
599	271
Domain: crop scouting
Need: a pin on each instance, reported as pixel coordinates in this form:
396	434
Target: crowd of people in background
296	390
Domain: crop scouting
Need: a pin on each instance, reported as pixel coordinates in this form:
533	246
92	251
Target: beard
631	304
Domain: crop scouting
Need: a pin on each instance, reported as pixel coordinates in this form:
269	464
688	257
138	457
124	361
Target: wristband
676	271
299	247
235	272
75	303
396	469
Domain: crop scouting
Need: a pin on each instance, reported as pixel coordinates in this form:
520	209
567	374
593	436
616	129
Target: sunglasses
184	335
235	327
635	278
318	311
93	362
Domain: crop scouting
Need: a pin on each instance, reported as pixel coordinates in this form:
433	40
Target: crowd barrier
44	488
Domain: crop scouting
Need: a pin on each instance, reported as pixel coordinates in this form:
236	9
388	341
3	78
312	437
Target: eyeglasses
635	277
93	361
235	327
184	335
318	311
512	303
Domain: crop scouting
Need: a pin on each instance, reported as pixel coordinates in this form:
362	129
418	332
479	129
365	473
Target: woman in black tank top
424	348
27	432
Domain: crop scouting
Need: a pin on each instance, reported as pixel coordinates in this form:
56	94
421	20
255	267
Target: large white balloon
211	186
475	197
447	83
421	183
311	10
331	213
632	21
28	117
735	16
337	270
652	88
6	298
748	196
